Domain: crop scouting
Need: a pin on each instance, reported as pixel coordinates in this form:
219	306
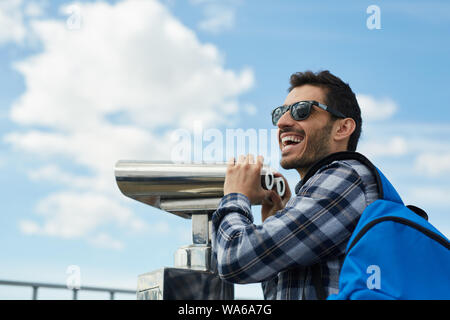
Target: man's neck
304	170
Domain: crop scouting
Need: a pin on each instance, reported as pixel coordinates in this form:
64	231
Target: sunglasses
301	110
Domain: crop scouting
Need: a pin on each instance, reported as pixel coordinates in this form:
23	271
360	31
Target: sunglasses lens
300	111
276	115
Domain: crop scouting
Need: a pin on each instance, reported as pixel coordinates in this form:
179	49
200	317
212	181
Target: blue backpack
394	252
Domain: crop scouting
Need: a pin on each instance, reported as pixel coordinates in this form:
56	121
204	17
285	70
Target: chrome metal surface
150	285
200	226
194	257
182	189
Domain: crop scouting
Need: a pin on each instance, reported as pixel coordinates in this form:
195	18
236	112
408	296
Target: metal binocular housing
190	191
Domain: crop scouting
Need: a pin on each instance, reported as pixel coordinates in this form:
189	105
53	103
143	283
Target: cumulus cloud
34	8
374	109
217	19
218	16
376	142
392	146
431	195
12	27
131	61
434	164
71	215
103	240
250	109
14	19
150	67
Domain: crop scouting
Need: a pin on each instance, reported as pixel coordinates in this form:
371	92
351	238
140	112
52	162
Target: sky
85	84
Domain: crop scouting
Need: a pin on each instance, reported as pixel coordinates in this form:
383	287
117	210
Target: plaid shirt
311	231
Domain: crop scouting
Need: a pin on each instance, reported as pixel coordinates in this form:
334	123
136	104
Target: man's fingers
250	159
273	200
276	200
260	160
267	199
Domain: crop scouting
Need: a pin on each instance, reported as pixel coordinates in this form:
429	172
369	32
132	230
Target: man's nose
286	120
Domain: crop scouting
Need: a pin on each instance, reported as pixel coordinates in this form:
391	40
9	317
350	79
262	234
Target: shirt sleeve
315	225
269	288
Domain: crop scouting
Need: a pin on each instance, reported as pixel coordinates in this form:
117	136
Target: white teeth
295	139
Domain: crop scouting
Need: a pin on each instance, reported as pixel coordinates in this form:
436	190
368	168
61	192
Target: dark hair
338	95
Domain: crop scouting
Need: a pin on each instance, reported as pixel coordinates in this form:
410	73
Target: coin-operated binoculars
190	191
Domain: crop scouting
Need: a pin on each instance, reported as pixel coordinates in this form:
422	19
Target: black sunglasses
301	110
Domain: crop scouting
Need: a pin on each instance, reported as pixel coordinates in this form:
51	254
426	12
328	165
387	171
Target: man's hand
274	202
244	176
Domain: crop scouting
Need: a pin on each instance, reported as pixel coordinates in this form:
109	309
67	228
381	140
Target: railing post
75	294
111	295
35	292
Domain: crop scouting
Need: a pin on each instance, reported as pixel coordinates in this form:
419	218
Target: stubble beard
318	147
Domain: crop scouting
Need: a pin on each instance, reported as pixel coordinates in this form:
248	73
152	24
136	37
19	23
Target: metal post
200	226
111	295
75	294
35	292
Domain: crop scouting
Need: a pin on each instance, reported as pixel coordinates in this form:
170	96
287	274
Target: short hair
338	95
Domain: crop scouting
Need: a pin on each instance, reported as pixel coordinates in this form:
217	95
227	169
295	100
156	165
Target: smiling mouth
290	141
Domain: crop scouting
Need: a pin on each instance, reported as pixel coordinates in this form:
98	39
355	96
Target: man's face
304	142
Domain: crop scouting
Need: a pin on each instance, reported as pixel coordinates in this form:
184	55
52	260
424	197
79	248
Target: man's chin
287	163
299	163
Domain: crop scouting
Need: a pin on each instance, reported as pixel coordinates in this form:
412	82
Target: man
298	250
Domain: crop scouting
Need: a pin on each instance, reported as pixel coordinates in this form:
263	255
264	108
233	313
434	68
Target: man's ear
344	128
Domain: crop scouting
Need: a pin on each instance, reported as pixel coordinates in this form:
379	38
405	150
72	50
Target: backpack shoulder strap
385	189
345	155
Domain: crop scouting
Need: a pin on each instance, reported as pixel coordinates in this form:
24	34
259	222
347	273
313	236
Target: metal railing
36	285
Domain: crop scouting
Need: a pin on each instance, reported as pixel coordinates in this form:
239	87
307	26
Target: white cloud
29	227
250	109
392	146
217	19
12	27
422	141
132	59
218	15
373	109
52	173
35	9
72	215
431	195
103	240
15	17
150	67
434	164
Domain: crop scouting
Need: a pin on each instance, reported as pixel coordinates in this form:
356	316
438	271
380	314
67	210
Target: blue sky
75	98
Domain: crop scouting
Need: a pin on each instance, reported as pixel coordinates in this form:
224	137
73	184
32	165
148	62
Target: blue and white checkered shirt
311	231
